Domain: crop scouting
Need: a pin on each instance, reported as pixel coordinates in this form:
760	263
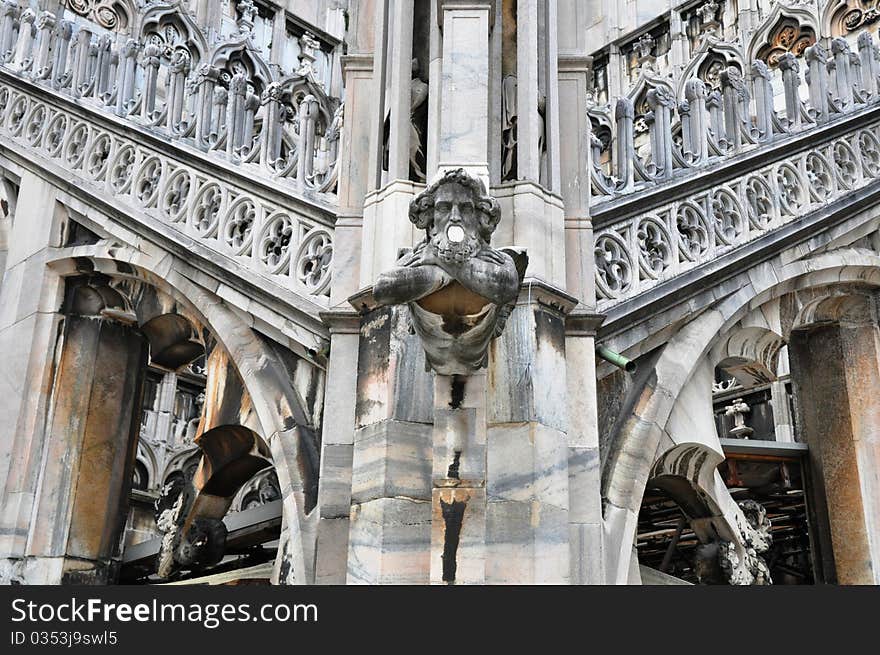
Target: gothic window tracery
112	15
711	68
173	40
854	16
788	35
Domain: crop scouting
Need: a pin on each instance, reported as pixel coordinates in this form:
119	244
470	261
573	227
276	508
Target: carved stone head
459	289
458	215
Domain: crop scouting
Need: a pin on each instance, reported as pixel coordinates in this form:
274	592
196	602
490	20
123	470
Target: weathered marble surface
390	542
464	84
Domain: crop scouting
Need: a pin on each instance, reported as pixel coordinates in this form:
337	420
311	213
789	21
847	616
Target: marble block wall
527	486
390	533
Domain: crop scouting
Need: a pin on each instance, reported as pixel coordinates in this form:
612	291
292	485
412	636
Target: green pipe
616	358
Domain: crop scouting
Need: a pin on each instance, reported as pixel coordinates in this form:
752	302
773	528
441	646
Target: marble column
435	69
528	122
386	228
390	518
783	423
575	151
89	454
400	70
527	469
29	299
552	112
584	471
464	85
353	175
380	51
836	373
337	442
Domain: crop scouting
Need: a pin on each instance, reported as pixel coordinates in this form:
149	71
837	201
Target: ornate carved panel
786	36
854	16
110	14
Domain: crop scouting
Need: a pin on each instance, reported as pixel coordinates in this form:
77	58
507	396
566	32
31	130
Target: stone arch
783	30
114	15
710	52
638	94
158	17
686	473
279	410
179	463
749	353
830	305
847	18
174	341
260	489
643	429
239	53
147	457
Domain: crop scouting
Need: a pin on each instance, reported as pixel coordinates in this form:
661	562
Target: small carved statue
460	290
721	562
508	127
200	544
418	97
509	131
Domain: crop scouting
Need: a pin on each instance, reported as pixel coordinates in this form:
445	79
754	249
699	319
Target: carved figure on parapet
724	562
460	290
201	545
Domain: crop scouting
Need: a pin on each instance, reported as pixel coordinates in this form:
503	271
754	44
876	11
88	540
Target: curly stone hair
421	209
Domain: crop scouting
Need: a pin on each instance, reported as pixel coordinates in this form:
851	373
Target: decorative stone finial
738	411
308	45
643	49
246	13
460	290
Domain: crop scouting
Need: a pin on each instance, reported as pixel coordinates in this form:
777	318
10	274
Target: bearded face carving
455	229
460	290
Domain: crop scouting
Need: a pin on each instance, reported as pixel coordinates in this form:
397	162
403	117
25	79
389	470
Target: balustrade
163	90
663	241
703	128
234	219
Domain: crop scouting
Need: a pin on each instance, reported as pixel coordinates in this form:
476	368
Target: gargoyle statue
199	546
721	562
460	290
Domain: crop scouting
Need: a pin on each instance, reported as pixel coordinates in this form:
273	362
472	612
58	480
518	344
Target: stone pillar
836	372
464	86
386	228
435	69
458	521
528	123
584	471
575	152
380	64
400	69
527	469
90	448
553	180
29	299
337	441
353	175
390	533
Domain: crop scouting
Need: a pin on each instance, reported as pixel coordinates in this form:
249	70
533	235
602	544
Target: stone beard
455	246
459	288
